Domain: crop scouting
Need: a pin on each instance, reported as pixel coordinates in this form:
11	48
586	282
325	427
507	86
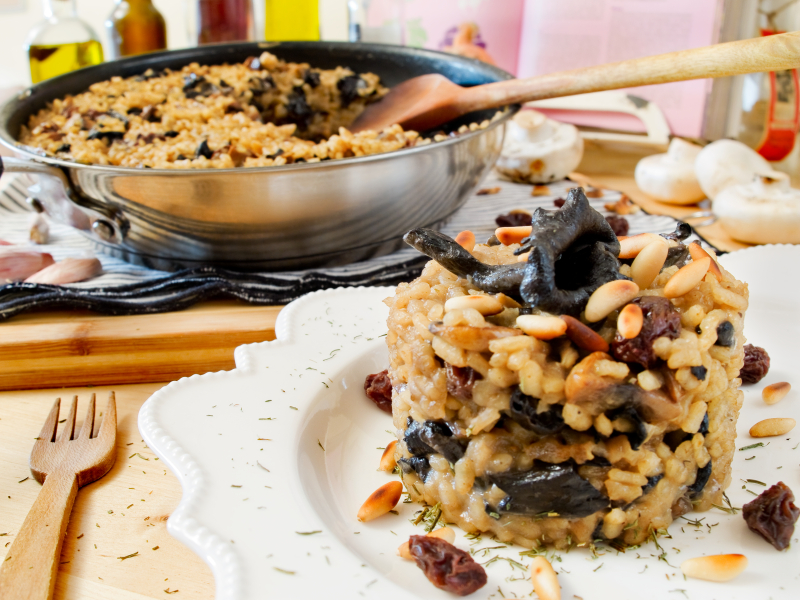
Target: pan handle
61	203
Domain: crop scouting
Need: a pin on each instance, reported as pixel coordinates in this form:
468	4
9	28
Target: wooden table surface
127	510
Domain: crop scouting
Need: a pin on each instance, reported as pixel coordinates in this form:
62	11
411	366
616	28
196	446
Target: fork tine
108	428
88	422
69	425
48	433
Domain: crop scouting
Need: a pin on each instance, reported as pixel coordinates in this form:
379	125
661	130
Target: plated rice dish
262	112
557	386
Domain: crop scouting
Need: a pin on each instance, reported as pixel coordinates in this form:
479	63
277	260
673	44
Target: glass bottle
362	28
224	21
291	20
135	27
61	43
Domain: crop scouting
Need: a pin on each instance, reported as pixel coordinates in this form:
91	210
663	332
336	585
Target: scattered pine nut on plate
772	394
381	501
388	462
718	567
544	579
772	427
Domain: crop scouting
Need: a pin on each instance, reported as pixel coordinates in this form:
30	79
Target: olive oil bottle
135	27
61	43
291	20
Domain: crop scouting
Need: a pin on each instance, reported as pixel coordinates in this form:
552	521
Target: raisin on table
756	364
619	224
445	566
514	219
378	388
772	515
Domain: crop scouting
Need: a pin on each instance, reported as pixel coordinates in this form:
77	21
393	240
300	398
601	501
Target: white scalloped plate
245	498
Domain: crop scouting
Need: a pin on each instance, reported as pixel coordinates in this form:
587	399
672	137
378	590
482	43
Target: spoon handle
769	53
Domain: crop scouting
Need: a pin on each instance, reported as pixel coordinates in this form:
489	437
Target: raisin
445	566
620	225
460	381
756	364
378	388
726	335
772	515
660	320
559	202
514	219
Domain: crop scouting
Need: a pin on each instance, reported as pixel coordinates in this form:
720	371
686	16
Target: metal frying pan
264	218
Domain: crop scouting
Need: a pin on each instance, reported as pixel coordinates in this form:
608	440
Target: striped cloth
123	288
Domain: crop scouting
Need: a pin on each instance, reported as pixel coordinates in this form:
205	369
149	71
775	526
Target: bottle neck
59	8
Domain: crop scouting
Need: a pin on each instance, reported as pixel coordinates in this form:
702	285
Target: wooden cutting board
78	348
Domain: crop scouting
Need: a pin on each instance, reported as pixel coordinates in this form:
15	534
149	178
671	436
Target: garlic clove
16	265
724	163
69	270
538	149
671	177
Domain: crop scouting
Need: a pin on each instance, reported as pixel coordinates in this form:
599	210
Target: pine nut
772	427
543	327
630	321
696	251
388	462
647	265
507	301
631	246
445	533
583	336
544	579
466	239
486	305
718	567
772	394
609	297
512	235
523	257
381	501
687	278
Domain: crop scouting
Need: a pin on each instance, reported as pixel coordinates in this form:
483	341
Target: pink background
499	21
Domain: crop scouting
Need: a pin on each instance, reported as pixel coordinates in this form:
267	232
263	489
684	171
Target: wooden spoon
428	101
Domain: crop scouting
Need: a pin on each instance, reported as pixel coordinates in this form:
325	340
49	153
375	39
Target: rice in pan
522	418
262	112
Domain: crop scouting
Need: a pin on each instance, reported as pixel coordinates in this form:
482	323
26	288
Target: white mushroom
670	177
766	211
724	163
538	149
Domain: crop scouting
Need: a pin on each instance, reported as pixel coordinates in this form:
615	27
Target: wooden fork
62	465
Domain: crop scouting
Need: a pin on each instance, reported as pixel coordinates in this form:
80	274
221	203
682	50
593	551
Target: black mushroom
448	253
573	251
426	438
523	409
548	488
726	335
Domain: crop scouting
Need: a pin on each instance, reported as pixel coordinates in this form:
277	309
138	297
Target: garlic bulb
724	163
538	149
765	211
670	177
